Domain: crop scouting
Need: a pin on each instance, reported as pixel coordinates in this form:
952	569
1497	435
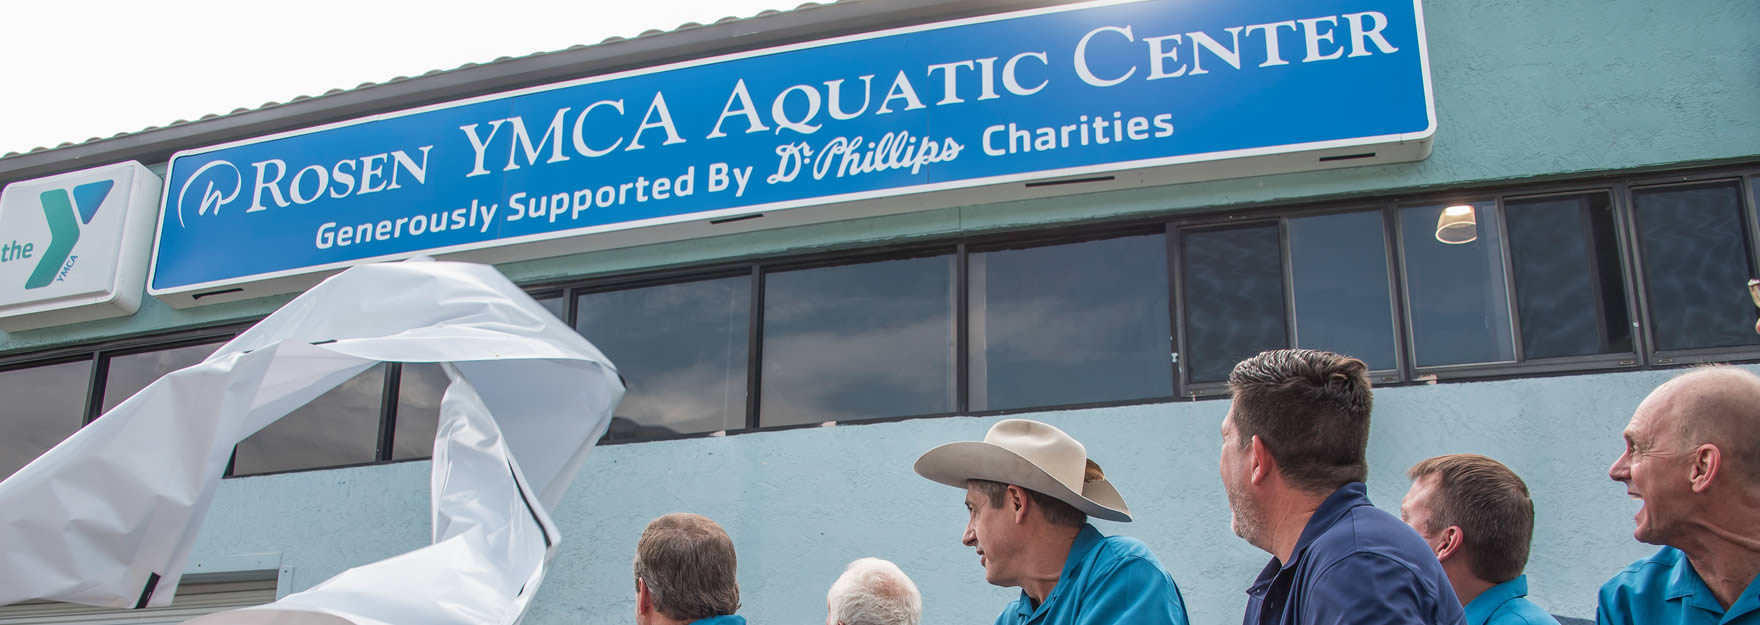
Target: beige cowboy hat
1031	455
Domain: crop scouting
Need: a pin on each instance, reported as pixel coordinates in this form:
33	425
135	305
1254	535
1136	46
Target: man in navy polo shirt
1693	457
1293	463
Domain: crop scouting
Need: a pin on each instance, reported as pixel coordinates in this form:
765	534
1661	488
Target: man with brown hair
1693	457
1030	489
1294	448
686	573
1477	517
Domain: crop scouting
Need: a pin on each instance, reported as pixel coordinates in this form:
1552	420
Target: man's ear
1452	539
1706	461
1262	463
1017	503
644	601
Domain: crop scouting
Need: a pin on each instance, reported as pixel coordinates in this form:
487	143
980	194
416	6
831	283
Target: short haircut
688	564
1311	410
875	592
1053	510
1490	504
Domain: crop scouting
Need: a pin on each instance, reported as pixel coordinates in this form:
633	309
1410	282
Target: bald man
1693	457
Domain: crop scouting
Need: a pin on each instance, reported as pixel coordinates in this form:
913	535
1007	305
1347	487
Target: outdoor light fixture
1457	225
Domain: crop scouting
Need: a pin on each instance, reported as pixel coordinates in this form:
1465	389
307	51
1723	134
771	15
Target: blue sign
1070	90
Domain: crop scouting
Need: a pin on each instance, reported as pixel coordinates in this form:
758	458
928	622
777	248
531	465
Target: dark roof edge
771	29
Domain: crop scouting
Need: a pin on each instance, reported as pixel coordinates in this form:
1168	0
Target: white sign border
1419	136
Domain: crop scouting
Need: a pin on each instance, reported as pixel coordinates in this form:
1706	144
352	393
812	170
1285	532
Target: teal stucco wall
802	503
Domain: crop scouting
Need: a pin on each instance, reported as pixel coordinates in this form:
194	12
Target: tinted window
1234	300
556	305
43	406
682	351
419	389
1696	266
129	373
1338	267
1067	324
1455	293
339	427
858	342
1569	291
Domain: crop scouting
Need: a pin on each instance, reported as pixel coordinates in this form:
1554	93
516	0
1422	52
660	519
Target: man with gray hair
873	592
686	573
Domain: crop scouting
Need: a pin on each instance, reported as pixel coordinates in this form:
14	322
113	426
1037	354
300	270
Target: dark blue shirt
721	620
1106	580
1354	565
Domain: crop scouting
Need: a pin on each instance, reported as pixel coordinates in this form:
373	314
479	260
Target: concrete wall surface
800	504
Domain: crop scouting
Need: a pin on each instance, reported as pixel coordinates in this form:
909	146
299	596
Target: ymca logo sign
74	247
54	262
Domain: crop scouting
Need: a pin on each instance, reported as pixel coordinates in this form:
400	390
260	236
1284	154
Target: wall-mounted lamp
1457	225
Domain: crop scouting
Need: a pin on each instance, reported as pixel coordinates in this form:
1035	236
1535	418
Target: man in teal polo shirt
1478	517
1693	457
686	573
1030	489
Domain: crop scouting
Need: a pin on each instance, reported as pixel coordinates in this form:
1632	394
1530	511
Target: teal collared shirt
1507	604
1663	589
721	620
1105	580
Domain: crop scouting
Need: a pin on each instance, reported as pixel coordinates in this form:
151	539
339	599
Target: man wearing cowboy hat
1030	489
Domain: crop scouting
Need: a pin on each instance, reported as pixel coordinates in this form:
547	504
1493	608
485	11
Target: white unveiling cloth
99	517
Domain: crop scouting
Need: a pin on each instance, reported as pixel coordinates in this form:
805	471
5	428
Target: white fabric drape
119	503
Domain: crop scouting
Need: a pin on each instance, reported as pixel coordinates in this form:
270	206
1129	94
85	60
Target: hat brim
954	464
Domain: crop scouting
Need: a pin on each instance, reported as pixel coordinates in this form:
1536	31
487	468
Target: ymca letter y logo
63	232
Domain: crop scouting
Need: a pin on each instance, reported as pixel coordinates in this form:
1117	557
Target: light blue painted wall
1524	90
802	503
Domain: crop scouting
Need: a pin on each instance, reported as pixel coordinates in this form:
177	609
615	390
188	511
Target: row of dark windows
1493	283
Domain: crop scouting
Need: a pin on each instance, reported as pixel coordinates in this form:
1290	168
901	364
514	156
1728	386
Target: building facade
782	379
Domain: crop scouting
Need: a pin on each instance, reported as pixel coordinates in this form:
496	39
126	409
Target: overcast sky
75	69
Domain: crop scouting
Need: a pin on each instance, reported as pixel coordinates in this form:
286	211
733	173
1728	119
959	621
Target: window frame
10	365
571	298
957	253
1624	263
381	443
1747	212
1172	225
997	244
1395	279
1388	212
1521	365
1176	246
1410	348
102	359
